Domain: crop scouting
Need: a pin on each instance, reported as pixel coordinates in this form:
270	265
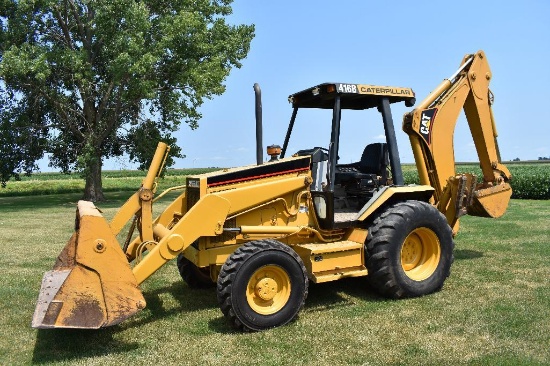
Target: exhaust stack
258	109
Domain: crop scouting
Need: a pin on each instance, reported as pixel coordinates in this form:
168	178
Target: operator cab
340	191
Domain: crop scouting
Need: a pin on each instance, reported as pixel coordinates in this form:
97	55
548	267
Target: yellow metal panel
176	208
335	258
205	218
323	248
219	255
204	258
249	196
377	201
358	235
269	229
442	134
334	275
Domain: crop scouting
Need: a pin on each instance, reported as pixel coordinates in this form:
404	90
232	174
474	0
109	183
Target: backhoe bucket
491	202
91	284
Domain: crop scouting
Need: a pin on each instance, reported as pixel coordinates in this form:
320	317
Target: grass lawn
493	310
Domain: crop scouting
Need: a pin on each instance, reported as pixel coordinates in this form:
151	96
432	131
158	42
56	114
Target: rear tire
409	250
194	276
262	285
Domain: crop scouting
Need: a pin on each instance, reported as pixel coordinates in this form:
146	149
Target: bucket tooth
91	285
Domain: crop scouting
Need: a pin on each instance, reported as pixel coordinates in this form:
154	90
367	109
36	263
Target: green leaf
103	70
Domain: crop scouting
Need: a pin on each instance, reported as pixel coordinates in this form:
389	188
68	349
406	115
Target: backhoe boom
430	128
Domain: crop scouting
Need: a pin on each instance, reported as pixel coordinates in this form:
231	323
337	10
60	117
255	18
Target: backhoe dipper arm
431	128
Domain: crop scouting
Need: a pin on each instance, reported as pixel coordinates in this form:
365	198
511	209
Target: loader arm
207	218
140	202
431	129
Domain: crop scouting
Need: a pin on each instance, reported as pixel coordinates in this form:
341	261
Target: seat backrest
374	159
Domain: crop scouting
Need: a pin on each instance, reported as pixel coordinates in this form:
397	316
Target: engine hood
253	172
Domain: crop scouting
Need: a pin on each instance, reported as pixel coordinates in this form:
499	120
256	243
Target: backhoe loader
261	233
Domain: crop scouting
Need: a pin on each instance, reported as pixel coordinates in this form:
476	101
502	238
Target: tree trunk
94	188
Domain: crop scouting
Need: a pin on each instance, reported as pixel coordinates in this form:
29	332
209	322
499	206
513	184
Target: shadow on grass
321	297
461	254
189	300
324	296
220	325
66	344
70	344
54	345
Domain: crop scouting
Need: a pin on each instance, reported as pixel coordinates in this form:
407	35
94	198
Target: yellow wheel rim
268	290
420	254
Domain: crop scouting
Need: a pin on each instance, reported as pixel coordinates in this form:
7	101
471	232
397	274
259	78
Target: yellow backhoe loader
261	233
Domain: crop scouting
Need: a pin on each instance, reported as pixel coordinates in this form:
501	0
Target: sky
416	44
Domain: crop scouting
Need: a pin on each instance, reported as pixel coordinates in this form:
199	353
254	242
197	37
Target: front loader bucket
491	202
91	284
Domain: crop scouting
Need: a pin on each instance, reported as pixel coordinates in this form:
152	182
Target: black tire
194	276
409	250
262	285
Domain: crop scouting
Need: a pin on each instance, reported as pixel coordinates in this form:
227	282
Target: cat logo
426	123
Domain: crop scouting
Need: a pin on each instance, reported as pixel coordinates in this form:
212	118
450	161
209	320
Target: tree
19	141
86	80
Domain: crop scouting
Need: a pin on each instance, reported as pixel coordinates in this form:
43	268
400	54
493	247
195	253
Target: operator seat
374	159
359	180
373	163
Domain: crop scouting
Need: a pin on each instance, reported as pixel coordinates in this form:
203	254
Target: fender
395	193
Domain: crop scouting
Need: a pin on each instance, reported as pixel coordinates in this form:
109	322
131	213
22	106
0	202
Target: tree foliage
86	80
20	140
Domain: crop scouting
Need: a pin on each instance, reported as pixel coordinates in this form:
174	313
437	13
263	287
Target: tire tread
229	270
379	246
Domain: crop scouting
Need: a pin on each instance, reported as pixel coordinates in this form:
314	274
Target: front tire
262	285
409	250
194	276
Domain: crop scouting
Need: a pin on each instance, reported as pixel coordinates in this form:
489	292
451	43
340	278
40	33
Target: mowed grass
493	310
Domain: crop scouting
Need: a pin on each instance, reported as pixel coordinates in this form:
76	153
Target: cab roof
352	96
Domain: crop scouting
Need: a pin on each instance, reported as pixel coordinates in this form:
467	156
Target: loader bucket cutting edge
91	285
